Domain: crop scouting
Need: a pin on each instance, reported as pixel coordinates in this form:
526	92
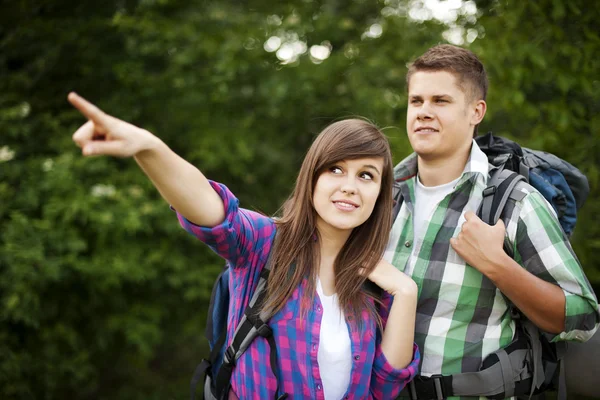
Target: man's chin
425	151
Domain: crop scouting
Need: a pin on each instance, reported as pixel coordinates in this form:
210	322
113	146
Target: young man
458	262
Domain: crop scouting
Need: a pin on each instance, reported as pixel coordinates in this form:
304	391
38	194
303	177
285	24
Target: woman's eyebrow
372	167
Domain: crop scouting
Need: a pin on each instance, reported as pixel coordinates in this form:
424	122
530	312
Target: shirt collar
477	165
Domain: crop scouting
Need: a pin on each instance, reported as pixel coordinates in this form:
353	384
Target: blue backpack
215	372
563	185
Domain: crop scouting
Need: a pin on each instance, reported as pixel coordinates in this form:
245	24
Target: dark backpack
563	185
215	372
566	189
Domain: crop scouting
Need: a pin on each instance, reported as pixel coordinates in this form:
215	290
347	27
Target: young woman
334	339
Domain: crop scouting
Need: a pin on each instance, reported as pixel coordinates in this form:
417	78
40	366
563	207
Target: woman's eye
367	176
335	170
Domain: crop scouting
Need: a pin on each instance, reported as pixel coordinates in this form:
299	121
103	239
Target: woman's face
346	193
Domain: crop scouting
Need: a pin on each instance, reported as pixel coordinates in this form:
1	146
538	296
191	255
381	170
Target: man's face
439	120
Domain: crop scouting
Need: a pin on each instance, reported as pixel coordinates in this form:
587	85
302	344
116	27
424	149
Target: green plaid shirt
461	316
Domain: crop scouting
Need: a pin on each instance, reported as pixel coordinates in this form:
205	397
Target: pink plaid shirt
244	239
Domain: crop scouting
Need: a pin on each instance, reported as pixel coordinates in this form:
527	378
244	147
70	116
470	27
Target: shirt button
350	318
408	243
357	357
319	387
314	347
319	308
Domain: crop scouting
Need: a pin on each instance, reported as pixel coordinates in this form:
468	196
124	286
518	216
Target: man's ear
479	109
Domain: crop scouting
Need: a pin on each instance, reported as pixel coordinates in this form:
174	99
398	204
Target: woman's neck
330	244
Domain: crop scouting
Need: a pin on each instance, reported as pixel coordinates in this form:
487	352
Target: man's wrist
500	267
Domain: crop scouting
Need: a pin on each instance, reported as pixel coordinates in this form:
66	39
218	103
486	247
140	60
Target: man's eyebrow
369	166
435	96
439	96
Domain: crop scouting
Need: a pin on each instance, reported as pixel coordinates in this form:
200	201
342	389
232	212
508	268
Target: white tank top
335	353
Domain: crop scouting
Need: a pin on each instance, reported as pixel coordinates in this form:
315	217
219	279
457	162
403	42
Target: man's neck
436	172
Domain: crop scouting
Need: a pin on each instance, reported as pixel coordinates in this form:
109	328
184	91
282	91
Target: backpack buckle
229	356
438	387
488	191
265	330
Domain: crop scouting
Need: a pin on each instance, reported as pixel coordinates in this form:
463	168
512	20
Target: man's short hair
464	64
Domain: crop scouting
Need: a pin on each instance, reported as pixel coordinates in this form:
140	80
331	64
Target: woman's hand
392	280
103	134
398	333
181	184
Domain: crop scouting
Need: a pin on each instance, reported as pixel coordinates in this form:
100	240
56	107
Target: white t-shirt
335	353
426	200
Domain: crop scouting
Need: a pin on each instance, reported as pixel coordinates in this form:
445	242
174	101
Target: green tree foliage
545	92
102	294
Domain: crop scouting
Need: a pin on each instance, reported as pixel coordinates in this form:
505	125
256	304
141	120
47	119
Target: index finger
85	107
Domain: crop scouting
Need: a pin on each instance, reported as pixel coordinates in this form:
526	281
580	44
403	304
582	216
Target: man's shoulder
406	168
530	199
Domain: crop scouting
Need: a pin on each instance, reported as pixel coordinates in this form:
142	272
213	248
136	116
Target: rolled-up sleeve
236	238
386	381
543	249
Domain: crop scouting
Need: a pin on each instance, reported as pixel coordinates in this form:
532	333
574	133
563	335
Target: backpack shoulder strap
501	187
397	199
249	328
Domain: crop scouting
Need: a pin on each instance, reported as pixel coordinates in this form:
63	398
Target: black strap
501	188
265	331
199	375
434	387
223	378
251	326
397	199
275	366
252	321
205	366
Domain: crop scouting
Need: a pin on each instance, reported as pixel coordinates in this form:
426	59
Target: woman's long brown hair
295	242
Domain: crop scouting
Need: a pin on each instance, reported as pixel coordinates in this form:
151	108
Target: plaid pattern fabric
461	316
244	239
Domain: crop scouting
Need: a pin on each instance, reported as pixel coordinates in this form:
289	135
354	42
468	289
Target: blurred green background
102	295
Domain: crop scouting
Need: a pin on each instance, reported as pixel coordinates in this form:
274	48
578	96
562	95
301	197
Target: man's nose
424	112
